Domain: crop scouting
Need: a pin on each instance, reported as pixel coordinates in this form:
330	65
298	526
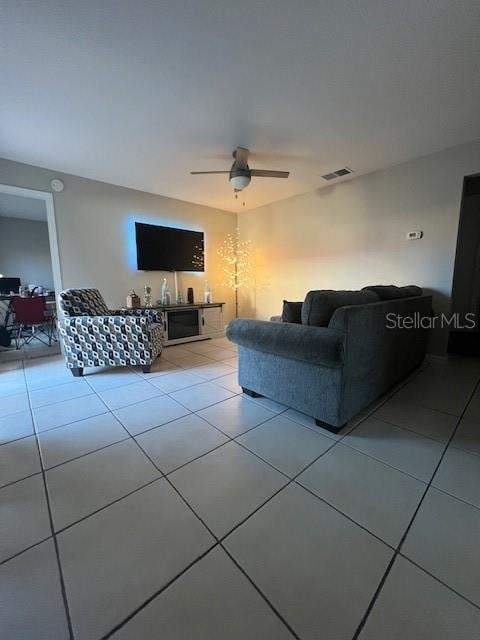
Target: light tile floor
167	505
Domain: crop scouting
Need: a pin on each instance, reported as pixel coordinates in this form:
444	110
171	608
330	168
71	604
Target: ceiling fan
241	174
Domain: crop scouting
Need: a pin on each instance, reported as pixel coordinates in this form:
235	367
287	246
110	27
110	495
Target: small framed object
133	301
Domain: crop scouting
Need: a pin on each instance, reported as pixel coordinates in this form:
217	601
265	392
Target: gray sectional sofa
343	355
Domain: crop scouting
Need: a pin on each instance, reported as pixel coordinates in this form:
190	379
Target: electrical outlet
414	235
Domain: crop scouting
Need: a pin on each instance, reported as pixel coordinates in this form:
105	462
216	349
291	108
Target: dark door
465	336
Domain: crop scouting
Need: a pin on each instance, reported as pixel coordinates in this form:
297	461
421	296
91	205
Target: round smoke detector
57	185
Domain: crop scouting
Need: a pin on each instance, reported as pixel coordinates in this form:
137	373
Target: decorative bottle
165	292
208	294
147	296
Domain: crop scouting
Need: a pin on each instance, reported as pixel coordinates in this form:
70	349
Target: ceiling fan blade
266	173
201	173
241	155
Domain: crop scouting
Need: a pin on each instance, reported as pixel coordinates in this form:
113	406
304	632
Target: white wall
95	228
352	234
25	251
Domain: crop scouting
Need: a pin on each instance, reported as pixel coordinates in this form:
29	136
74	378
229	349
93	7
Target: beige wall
352	234
95	228
342	236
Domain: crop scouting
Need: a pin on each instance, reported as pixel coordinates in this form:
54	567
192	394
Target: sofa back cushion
292	312
392	292
319	306
82	302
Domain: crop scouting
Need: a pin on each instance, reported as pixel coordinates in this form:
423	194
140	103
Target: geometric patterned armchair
94	335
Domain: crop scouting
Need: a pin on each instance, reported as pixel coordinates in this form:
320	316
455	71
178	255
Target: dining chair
31	313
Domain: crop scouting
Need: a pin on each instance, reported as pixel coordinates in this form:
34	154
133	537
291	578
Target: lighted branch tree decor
237	267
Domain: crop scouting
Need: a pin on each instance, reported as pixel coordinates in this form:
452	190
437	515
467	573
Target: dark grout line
31	475
410	524
200	409
349	430
464	450
205	453
240	434
119	499
272	607
417	433
187	504
219	541
257	455
55	402
329	504
239	524
150	599
201	455
19	553
100	391
2	444
386	464
167	393
52	528
84	455
229	439
38	431
444	584
429	407
451	495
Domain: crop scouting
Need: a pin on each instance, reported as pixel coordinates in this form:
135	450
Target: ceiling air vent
337	174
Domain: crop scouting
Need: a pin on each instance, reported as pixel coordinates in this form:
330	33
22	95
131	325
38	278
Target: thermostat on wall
414	235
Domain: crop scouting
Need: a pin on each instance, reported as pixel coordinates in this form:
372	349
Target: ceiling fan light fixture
240	174
240	179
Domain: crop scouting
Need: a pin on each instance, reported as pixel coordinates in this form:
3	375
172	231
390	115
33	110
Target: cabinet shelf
191	322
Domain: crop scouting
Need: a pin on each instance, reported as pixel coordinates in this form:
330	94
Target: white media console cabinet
188	322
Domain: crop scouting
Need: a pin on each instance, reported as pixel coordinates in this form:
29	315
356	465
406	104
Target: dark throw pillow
292	312
319	306
392	292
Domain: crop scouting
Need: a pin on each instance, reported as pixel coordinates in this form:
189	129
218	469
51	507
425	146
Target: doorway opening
29	274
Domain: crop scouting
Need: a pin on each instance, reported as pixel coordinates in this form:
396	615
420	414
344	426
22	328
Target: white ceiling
21	207
138	93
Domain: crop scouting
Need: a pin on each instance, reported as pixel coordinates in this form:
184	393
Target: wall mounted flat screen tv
168	249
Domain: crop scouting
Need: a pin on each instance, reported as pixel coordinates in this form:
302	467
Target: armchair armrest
137	325
315	345
153	315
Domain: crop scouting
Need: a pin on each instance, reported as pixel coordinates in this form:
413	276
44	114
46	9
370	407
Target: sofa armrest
315	345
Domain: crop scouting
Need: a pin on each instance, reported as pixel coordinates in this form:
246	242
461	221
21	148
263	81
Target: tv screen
168	249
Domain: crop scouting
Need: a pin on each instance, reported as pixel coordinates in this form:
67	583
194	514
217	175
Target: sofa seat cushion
392	292
292	312
319	305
